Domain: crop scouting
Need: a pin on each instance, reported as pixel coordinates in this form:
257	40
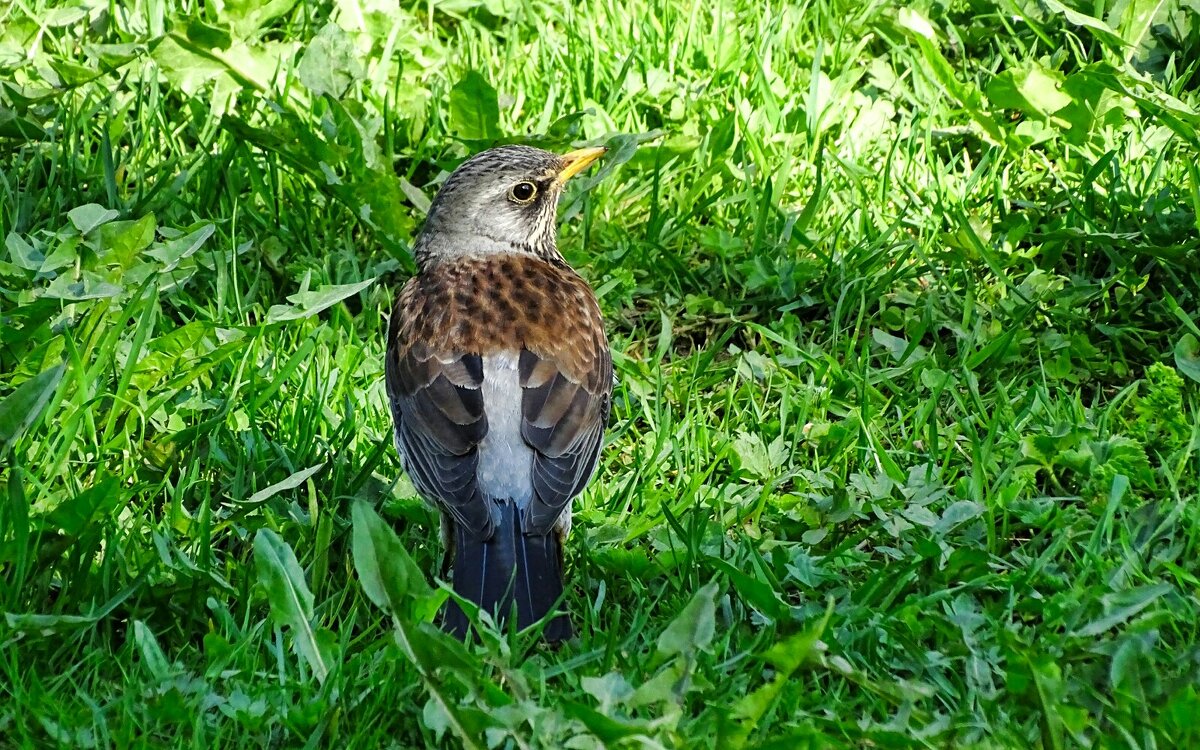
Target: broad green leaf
1119	607
330	63
1123	455
45	624
121	241
66	254
566	126
1046	446
377	18
114	55
20	408
608	727
757	593
218	653
280	576
912	20
474	109
19	128
958	512
897	346
293	481
73	515
468	723
306	304
62	16
22	254
72	74
662	688
1099	29
806	569
89	216
356	130
457	6
435	718
89	286
393	582
249	16
1187	356
1031	89
208	36
224	71
378	198
1136	21
153	659
788	654
389	577
1126	662
935	379
171	252
610	690
919	515
694	627
753	455
418	199
185	69
1174	113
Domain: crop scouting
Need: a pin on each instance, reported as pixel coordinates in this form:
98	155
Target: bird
499	377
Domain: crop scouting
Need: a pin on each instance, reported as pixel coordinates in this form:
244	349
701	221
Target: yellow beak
577	161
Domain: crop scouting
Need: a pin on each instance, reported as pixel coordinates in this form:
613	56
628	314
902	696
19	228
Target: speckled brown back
505	303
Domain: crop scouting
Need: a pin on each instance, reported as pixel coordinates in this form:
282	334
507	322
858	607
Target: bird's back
500	376
503	303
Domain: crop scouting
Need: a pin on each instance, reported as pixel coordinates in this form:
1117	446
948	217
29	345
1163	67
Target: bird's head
502	200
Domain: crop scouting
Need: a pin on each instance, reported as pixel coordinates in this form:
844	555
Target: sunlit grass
904	309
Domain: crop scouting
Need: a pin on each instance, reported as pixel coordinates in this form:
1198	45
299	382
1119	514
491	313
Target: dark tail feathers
510	567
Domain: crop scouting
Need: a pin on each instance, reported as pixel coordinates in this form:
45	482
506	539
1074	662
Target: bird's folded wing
438	410
565	406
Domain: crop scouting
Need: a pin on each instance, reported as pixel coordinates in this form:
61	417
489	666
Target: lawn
904	303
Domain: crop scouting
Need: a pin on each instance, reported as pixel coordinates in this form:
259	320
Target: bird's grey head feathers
501	200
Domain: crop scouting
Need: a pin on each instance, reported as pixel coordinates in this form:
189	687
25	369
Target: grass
904	304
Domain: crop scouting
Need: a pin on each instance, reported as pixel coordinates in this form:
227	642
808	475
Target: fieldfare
500	379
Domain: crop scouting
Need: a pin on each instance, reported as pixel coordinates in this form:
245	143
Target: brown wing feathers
438	411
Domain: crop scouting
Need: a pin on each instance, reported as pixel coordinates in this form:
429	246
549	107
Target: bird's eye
523	192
